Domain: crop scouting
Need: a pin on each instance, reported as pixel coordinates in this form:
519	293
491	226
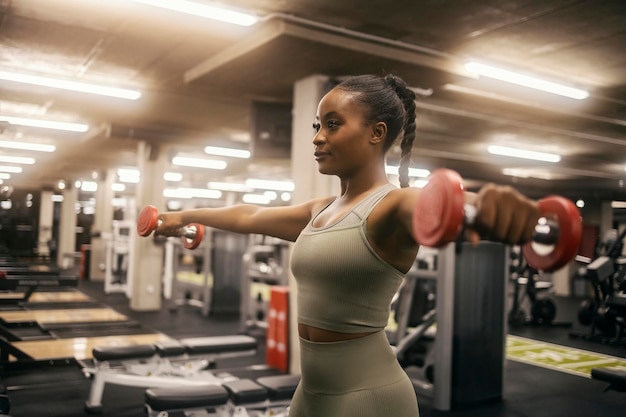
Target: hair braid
407	97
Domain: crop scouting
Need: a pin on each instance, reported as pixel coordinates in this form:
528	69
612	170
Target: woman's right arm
282	222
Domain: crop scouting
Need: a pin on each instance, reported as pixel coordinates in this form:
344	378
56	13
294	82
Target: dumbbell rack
470	325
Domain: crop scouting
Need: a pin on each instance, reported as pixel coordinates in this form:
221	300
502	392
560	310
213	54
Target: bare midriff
315	334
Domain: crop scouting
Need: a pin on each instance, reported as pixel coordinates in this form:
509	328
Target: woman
352	251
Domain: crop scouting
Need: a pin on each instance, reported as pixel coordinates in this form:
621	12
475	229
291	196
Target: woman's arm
281	222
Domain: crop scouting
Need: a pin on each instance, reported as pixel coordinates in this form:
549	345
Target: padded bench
156	365
265	392
615	377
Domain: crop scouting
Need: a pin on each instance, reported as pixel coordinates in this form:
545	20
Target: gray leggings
354	378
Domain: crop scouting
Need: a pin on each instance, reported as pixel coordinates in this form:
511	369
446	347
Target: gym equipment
119	258
542	307
267	396
163	364
148	220
605	311
465	363
266	263
616	378
188	276
441	212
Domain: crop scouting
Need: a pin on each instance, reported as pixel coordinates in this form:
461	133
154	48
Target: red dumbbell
441	213
148	220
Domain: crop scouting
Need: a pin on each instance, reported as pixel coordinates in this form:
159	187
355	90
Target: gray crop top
343	285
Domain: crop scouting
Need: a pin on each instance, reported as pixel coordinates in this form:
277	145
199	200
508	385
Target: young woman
352	250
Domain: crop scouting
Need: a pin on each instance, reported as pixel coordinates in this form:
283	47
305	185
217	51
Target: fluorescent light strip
234	153
525	80
203	10
618	204
70	85
173	176
27	146
271	185
17	160
198	162
116	186
191	193
46	124
229	186
413	172
522	153
255	199
5	176
13	170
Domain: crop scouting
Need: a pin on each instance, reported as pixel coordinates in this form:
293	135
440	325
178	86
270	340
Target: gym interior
112	111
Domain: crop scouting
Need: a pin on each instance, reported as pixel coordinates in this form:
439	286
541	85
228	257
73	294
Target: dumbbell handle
546	231
189	231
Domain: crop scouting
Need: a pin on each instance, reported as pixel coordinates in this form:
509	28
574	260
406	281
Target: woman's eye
332	124
317	127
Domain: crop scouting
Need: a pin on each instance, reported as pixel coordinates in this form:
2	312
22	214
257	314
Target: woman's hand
502	214
169	224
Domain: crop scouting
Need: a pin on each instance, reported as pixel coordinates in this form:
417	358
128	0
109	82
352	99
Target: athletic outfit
345	286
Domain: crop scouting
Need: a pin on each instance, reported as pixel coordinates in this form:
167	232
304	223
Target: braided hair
388	99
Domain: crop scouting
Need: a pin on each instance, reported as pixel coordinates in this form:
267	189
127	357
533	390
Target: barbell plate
147	221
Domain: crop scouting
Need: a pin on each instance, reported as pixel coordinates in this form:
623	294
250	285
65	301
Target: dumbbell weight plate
570	233
147	220
438	214
198	235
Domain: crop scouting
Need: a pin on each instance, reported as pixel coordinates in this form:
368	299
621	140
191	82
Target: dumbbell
148	221
441	212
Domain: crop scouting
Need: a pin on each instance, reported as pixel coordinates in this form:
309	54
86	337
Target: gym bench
163	364
615	377
269	395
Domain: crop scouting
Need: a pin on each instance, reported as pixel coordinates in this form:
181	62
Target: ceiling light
17	160
129	175
70	85
234	153
173	176
413	172
271	185
255	199
528	173
5	176
618	204
203	10
230	186
116	186
198	162
523	153
89	186
13	170
27	146
525	80
46	124
191	193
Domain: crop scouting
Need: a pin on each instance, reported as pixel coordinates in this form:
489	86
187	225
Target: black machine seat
181	398
615	377
280	387
245	391
190	346
219	344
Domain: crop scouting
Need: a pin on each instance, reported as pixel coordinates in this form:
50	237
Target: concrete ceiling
199	78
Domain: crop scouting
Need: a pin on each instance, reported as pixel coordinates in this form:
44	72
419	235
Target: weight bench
614	376
230	399
164	364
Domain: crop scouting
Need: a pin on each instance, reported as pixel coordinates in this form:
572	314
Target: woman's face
343	137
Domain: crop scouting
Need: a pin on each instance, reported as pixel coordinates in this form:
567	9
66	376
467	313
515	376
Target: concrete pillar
102	223
146	264
309	183
67	227
46	219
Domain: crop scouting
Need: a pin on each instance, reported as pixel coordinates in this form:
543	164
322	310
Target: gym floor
529	391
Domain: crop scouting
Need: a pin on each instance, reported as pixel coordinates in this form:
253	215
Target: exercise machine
530	291
265	264
119	258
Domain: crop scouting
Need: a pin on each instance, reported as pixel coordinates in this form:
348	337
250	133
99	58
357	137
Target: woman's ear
379	132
